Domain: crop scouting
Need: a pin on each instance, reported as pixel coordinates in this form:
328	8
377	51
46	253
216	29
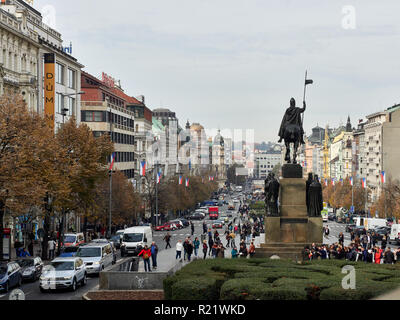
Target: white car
63	273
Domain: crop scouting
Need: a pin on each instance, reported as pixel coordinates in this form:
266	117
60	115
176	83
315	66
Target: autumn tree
26	146
125	201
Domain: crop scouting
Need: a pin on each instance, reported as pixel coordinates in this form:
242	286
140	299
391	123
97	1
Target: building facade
104	110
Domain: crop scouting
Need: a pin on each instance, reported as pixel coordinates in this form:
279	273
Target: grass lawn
266	279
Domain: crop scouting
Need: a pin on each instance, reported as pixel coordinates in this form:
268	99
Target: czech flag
143	168
333	181
180	180
383	177
364	182
112	161
341	181
187	182
326	182
351	181
158	177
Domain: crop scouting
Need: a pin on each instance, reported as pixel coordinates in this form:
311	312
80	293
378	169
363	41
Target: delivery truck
213	213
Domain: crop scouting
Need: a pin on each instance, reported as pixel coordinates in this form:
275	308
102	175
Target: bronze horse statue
291	130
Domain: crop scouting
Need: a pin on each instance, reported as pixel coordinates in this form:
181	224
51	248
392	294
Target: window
71	106
93	116
59	73
59	102
71	78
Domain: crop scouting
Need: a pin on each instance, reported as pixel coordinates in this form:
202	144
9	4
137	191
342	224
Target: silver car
63	273
96	256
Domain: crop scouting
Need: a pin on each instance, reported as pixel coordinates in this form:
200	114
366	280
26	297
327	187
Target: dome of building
196	127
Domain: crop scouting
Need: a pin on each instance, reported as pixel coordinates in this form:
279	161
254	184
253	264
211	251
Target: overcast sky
236	63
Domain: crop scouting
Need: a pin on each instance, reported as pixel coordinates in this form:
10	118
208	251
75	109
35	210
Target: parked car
179	224
331	216
10	275
218	224
184	221
63	273
168	226
195	216
73	239
116	240
31	268
68	252
349	227
381	231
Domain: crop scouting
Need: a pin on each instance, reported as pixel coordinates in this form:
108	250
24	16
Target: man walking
154	252
52	246
192	227
167	239
204	227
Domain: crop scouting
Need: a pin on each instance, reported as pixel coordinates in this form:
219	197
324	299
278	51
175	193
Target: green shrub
200	288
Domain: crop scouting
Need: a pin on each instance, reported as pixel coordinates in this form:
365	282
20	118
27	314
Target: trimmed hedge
266	279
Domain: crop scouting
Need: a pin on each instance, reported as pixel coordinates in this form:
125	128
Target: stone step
279	250
284	244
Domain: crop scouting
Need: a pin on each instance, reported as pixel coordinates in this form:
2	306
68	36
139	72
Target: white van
134	239
394	233
370	223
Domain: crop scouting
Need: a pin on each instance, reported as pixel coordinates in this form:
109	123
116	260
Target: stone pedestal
288	234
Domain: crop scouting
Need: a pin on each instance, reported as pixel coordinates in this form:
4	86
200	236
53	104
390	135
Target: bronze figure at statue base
286	235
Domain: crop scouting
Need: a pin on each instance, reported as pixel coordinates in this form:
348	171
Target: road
32	291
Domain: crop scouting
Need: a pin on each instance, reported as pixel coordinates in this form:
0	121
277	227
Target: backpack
145	255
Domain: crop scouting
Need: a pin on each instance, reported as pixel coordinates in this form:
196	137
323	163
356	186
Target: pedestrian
234	253
192	227
383	242
243	251
185	245
228	239
214	251
378	255
252	250
196	245
189	249
221	251
167	239
179	250
52	246
388	257
216	234
154	252
146	254
205	248
204	227
210	244
341	239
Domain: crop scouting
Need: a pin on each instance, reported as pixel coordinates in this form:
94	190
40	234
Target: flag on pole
383	177
333	181
159	177
180	180
351	181
364	182
187	182
143	168
341	180
112	161
326	182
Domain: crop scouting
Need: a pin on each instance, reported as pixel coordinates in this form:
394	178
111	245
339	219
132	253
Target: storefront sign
49	87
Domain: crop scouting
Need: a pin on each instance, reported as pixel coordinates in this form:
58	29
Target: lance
306	82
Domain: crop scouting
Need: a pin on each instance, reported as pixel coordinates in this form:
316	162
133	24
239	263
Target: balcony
105	104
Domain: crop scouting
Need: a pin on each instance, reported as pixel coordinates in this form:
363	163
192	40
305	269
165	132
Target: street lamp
65	110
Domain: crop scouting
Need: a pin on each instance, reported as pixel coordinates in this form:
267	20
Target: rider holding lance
292	117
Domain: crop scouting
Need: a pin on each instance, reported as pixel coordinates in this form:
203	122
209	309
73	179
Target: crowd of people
362	248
